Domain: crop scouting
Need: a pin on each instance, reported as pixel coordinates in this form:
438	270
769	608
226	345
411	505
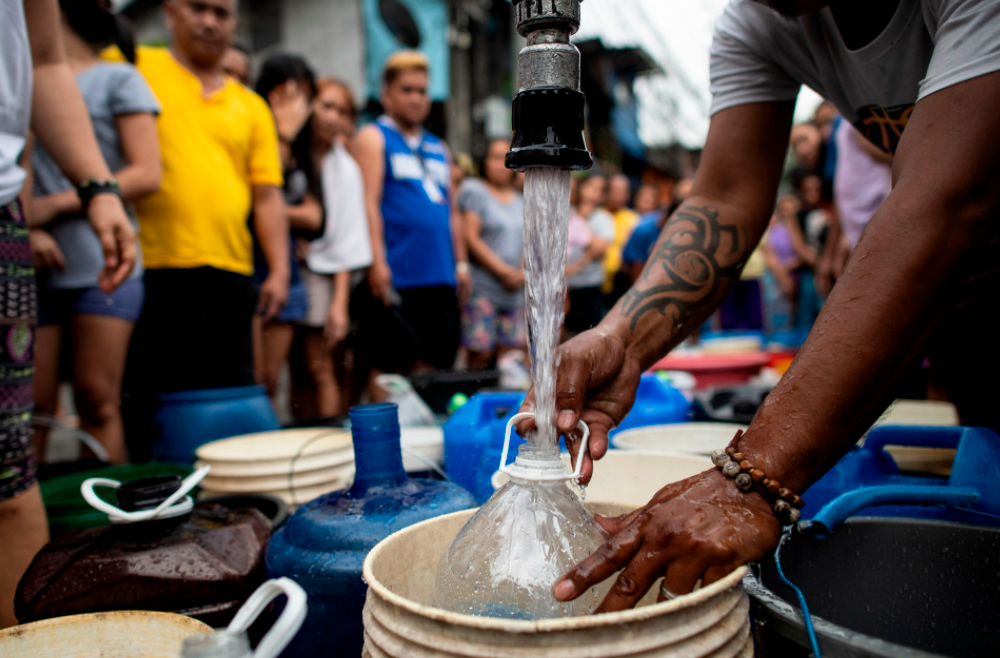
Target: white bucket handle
171	507
287	625
504	468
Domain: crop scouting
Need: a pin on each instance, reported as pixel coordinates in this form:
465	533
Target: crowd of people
275	231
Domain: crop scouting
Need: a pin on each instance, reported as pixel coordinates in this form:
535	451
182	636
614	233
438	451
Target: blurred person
493	319
918	79
410	315
647	202
585	271
640	243
288	85
221	161
618	195
861	184
37	89
815	218
807	142
95	326
236	63
786	253
341	248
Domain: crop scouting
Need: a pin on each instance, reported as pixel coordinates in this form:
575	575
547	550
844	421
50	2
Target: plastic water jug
323	545
162	553
470	432
187	420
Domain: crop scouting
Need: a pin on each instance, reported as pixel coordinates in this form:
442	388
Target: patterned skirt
18	317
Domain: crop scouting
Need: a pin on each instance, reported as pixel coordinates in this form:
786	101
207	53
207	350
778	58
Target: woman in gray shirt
493	317
72	309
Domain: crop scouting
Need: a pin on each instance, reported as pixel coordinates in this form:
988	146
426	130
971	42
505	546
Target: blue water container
471	430
323	545
656	403
867	478
189	419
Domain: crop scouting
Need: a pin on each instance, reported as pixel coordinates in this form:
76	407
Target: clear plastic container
505	561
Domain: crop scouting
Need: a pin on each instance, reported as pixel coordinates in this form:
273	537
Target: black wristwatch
91	188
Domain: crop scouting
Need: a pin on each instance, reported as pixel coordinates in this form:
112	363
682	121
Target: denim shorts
57	305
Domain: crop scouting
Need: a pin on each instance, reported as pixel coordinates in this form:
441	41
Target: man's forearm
696	261
271	227
376	231
879	318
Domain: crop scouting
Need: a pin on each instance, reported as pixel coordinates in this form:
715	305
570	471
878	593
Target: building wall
330	35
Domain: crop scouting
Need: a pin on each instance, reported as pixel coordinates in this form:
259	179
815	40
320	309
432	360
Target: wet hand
596	383
699	528
114	230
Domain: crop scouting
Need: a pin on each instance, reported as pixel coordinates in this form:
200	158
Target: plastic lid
146	493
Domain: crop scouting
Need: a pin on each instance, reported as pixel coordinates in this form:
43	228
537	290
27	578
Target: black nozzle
146	493
548	130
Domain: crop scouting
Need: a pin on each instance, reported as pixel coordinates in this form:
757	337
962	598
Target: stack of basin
128	634
631	477
688	438
400	619
294	465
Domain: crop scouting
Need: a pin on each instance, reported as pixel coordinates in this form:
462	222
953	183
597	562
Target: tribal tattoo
695	257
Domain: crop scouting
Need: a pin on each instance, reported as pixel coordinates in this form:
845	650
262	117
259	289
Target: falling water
546	225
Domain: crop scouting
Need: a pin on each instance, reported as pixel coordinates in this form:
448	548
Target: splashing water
546	226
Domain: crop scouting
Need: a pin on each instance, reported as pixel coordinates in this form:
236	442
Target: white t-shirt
758	55
345	243
15	96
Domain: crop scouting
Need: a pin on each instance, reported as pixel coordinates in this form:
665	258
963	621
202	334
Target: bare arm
807	254
308	215
698	257
271	227
904	275
60	122
337	317
368	149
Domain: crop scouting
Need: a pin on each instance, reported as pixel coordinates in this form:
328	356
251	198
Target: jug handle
288	624
516	418
166	509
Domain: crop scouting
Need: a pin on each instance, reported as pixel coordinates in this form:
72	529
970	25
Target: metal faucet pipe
548	110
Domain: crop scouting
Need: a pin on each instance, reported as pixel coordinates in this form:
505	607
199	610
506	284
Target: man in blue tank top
409	309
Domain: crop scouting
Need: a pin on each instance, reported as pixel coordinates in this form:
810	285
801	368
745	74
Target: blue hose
806	617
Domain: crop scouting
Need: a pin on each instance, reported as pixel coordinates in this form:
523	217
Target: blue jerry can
323	545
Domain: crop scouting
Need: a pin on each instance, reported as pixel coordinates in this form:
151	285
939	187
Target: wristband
462	267
785	503
91	188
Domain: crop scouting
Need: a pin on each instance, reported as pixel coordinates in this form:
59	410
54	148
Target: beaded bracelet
785	503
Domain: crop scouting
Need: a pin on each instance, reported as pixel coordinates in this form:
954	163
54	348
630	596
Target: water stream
546	226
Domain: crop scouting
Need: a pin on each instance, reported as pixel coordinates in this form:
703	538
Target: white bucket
400	622
631	477
127	634
691	438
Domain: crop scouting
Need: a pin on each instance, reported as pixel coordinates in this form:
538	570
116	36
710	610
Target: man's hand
273	295
45	251
380	280
702	527
597	381
111	224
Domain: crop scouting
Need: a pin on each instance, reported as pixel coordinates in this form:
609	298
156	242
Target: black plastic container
884	587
